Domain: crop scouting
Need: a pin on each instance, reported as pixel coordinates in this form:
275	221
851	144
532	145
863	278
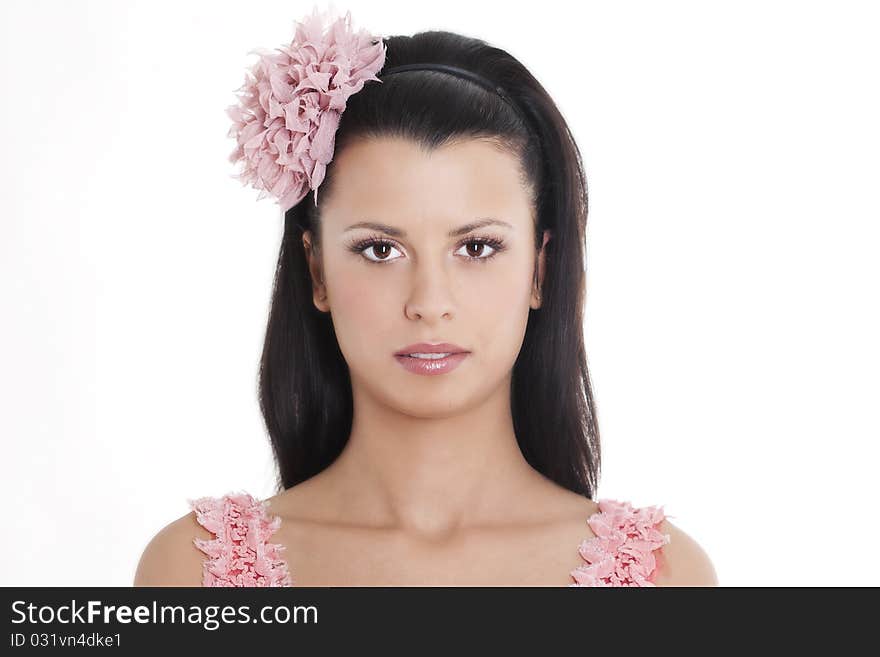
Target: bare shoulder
683	561
171	558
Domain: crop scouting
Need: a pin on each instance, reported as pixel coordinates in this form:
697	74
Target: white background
732	316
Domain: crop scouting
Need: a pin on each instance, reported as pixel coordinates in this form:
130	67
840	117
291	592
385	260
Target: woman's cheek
354	290
363	310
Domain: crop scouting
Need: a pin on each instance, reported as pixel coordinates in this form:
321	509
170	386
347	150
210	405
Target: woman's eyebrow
397	232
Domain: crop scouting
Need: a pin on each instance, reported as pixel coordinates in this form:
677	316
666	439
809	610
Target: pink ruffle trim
240	554
622	551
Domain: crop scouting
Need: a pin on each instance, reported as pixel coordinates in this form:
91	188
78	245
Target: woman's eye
378	248
476	250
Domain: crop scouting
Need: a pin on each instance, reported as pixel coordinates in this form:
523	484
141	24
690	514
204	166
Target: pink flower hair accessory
288	113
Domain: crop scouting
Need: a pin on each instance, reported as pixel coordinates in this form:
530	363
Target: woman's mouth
424	363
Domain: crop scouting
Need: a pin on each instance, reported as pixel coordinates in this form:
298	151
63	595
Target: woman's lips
432	366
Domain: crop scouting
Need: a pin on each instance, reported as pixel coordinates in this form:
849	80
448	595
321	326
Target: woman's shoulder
171	557
684	562
199	548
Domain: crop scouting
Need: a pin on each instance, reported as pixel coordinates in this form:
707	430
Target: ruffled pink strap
239	554
622	551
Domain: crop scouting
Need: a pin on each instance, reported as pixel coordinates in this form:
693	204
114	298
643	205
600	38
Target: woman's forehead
390	178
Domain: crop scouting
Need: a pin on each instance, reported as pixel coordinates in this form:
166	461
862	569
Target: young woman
423	380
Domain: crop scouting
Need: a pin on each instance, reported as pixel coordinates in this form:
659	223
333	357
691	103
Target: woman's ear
540	268
319	289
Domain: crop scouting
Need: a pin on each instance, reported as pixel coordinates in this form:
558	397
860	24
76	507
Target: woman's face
423	284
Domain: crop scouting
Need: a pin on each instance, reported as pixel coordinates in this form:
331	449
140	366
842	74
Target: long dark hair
304	385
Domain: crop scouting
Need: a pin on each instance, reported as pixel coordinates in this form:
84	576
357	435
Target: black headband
468	75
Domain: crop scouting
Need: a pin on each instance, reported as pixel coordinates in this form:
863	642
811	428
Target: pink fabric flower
286	120
622	551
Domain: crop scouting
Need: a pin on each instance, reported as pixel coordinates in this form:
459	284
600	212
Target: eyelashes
496	244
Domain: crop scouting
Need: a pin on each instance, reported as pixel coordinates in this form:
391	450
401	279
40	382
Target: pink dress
240	554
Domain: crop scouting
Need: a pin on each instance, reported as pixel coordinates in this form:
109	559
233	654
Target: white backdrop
732	317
